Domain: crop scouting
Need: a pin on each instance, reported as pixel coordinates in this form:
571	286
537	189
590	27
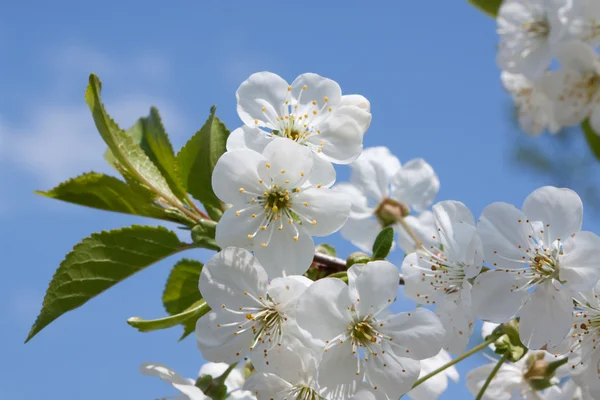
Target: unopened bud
389	212
357	258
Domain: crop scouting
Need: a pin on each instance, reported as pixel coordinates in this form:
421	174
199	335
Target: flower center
276	199
363	333
266	325
538	29
388	212
544	264
301	392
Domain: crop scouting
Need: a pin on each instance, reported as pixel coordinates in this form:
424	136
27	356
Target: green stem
340	275
491	339
490	377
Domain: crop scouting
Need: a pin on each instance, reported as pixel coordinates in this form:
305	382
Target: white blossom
249	312
582	21
311	111
362	340
381	191
275	210
541	256
433	387
441	276
186	386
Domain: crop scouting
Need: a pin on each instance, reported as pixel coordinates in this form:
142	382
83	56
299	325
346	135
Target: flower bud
357	258
389	212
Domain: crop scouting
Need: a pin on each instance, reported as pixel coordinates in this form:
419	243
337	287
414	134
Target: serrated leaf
149	133
107	193
383	243
99	262
128	154
592	138
181	290
197	159
490	7
197	310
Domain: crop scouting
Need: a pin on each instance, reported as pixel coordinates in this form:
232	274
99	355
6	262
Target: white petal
168	375
237	223
213	369
561	211
246	137
290	163
361	232
285	292
419	280
283	255
494	295
579	263
577	55
237	170
547	316
356	100
392	375
568	90
220	343
433	387
340	138
375	284
374	171
504	231
323	173
359	115
416	184
309	88
417	334
322	211
263	89
266	386
331	298
291	361
229	275
338	368
424	228
507	379
458	320
359	204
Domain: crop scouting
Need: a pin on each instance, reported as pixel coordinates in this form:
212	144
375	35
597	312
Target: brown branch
336	264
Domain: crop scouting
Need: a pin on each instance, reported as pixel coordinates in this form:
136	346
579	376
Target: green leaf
383	243
181	291
107	193
592	138
149	133
197	159
99	262
197	310
325	248
490	7
127	153
203	235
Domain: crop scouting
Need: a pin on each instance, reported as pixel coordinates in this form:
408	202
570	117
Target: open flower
535	109
433	387
275	211
440	275
528	30
311	111
186	386
382	192
540	256
249	312
363	341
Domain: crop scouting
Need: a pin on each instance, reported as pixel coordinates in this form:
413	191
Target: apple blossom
363	341
541	256
275	211
248	310
441	276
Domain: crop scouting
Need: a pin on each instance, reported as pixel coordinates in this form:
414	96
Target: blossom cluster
337	340
549	61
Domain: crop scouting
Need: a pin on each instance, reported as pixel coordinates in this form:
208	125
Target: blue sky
428	69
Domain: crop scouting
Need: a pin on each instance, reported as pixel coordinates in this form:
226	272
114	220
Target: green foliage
100	261
357	257
149	133
181	291
107	193
383	243
592	138
509	344
195	311
129	156
197	159
327	249
203	235
490	7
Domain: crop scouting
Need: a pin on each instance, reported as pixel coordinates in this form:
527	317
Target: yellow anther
268	165
265	193
314	102
260	181
320	144
287	181
241	190
280	228
314	112
297	190
263	245
256	121
248	316
319	150
275	208
314	222
318	132
289	88
290	221
319	186
250	236
301	173
329	109
253	215
264	109
296	238
325	99
305	115
306	204
263	228
237	213
304	87
283	171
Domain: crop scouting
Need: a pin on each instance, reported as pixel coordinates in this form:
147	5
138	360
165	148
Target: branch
337	263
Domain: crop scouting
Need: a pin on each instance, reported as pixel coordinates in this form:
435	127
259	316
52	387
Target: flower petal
419	279
424	228
392	375
312	92
340	139
323	173
504	231
373	286
217	339
361	116
416	184
433	387
236	224
356	100
235	170
507	379
233	277
561	211
246	137
321	210
547	316
359	208
579	263
285	292
418	334
172	377
339	370
495	296
287	163
322	309
266	386
458	320
361	232
262	89
374	171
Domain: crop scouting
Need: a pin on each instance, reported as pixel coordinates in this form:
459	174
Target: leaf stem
491	376
491	339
